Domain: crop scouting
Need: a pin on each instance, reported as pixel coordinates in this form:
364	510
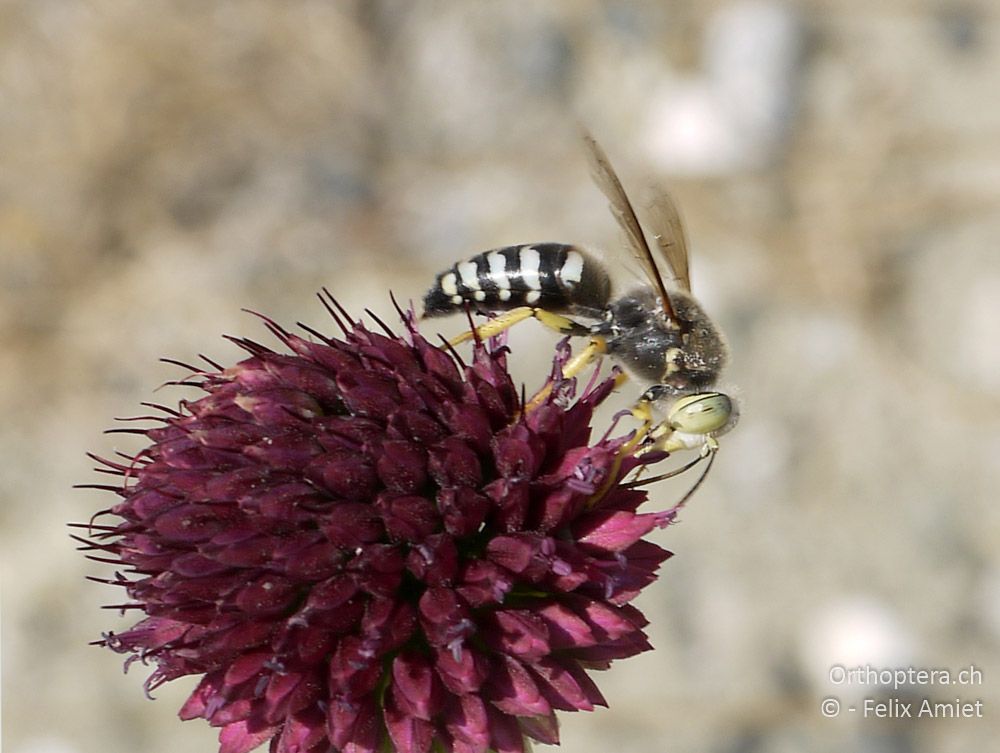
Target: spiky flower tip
367	545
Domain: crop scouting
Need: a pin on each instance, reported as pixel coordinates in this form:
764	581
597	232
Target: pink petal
587	685
613	530
469	423
238	737
467	720
195	565
279	405
355	669
245	667
309	692
347	475
561	687
558	507
206	695
438	363
242	636
483	582
290	453
463	509
350	723
190	523
367	737
416	688
464	671
408	734
311	562
331	593
516	458
566	628
545	729
368	395
379	569
608	652
402	467
513	552
277	696
301	732
434	561
518	632
416	426
267	595
234	710
512	498
408	517
445	619
512	690
505	733
453	463
609	623
154	632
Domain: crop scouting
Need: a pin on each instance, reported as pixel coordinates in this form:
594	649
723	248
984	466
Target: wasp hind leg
508	319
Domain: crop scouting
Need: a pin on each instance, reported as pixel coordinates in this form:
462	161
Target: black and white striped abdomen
551	276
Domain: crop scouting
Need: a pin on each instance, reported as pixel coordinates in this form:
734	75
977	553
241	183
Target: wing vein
668	233
607	180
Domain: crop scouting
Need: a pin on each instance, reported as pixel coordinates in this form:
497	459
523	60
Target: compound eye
704	413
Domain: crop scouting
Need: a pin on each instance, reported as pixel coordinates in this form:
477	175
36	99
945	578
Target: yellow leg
594	350
496	325
661	438
627	449
666	439
559	323
508	319
643	412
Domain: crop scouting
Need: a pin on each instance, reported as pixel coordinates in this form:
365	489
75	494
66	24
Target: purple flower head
366	544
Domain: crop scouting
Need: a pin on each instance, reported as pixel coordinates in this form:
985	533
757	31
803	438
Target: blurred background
164	164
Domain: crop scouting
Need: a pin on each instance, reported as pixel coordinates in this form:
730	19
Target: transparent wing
668	233
607	180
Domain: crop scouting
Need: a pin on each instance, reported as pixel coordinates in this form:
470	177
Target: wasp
661	336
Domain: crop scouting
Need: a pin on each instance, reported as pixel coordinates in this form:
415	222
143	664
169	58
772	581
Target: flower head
366	542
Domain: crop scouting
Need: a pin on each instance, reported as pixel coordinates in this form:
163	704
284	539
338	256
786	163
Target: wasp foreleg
594	350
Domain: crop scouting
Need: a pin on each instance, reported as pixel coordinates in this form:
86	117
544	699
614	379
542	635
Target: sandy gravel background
164	164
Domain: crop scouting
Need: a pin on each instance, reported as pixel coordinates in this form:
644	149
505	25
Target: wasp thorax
683	355
705	413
